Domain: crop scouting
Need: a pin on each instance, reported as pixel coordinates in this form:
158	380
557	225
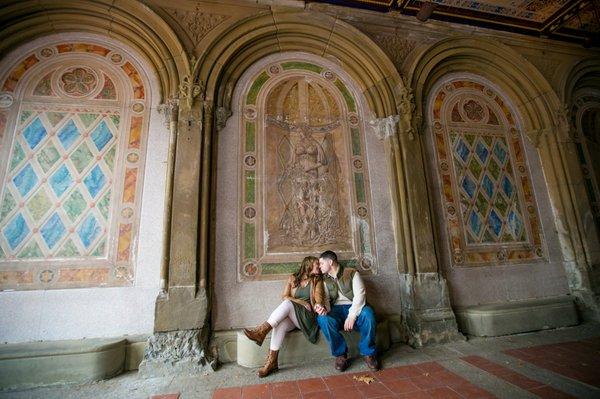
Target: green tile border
250	180
250	136
249	247
347	96
301	65
256	86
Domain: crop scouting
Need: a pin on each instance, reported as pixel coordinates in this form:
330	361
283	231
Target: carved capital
384	127
221	116
406	108
190	89
169	110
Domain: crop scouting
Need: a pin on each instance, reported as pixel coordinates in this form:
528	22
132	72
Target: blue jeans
365	324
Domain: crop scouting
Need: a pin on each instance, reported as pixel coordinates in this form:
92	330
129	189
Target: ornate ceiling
572	20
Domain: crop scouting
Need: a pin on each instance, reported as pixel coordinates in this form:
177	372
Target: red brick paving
424	380
579	360
537	388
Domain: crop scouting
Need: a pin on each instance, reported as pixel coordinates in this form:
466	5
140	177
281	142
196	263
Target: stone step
297	350
516	317
33	364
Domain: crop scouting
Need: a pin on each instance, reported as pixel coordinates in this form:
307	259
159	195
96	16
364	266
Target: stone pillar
181	315
426	312
577	236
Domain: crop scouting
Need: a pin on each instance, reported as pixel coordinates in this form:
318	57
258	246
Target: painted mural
487	195
73	153
303	176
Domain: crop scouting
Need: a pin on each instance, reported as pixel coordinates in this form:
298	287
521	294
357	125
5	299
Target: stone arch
137	27
529	91
76	116
253	38
580	92
541	113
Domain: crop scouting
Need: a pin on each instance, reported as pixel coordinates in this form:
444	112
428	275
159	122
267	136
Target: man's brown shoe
372	362
341	362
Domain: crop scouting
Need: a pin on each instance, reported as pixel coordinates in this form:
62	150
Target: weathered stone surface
517	317
177	352
426	311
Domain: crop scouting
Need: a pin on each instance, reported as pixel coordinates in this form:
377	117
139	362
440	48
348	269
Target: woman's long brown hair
305	269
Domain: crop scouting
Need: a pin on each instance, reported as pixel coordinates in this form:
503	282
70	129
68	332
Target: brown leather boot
270	366
259	333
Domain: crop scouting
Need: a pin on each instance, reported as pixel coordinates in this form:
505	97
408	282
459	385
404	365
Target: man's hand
349	323
321	310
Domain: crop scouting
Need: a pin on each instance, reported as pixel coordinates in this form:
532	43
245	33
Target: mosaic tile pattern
70	197
255	261
490	209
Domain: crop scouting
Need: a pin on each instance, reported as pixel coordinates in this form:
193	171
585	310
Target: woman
303	290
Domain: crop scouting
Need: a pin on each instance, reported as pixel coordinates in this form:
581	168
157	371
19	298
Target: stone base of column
177	353
426	312
588	304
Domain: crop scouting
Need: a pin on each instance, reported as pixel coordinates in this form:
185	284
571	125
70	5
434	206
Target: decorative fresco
487	194
304	175
71	177
532	10
585	122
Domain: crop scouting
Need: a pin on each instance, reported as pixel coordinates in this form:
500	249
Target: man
348	311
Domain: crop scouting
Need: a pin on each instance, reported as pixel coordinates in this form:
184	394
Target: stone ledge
296	349
516	317
58	362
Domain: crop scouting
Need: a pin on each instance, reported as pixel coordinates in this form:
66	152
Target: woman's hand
308	307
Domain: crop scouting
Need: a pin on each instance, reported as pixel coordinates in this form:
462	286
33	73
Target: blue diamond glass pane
475	223
34	133
482	152
25	180
462	150
53	230
514	224
500	152
89	230
507	187
61	180
68	134
469	186
494	222
101	135
16	231
94	181
488	186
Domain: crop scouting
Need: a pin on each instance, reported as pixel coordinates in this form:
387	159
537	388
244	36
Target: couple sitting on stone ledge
333	300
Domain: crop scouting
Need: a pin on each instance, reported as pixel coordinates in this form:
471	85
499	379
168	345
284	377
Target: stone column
425	303
181	315
579	240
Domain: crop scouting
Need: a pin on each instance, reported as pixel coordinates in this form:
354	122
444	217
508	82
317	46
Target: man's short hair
329	255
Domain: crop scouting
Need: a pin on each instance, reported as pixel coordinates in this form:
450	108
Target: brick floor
536	387
423	380
578	360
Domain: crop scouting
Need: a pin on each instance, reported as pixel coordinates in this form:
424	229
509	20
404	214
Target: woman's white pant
283	319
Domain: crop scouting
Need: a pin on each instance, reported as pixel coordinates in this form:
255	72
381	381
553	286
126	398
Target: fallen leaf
364	378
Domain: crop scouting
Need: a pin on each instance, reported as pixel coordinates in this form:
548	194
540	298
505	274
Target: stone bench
33	364
296	349
516	317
